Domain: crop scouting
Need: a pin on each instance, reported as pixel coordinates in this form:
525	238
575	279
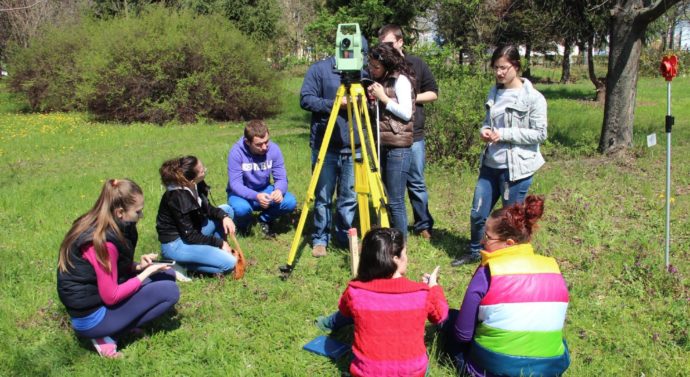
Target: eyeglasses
377	56
502	68
488	238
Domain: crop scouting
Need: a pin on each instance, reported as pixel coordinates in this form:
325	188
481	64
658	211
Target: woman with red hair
511	319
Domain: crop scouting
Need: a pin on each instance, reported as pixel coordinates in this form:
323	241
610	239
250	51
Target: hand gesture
146	260
489	135
431	279
377	91
263	199
152	269
228	225
276	196
227	247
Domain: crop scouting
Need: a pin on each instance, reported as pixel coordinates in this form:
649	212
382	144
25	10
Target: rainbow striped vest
520	320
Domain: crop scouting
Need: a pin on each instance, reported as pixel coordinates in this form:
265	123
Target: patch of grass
604	223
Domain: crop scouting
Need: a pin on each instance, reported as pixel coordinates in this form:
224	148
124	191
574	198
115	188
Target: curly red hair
518	221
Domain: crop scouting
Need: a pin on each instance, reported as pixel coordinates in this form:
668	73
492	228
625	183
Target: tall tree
466	24
627	25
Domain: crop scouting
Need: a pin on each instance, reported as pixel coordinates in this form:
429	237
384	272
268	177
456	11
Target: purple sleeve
235	175
280	180
467	318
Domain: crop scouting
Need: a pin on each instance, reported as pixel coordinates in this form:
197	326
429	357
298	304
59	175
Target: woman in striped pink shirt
389	310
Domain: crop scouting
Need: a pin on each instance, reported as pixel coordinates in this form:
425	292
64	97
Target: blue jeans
416	188
491	185
203	258
337	170
395	163
243	208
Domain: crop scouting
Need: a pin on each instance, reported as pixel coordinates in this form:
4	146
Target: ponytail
94	225
519	221
179	171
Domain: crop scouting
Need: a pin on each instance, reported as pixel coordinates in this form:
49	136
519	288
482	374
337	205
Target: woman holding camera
394	89
513	128
104	291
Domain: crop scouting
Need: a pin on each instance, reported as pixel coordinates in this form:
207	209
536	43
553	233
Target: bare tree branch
655	10
20	8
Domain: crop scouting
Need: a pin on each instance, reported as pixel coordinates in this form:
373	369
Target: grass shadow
450	243
170	321
558	91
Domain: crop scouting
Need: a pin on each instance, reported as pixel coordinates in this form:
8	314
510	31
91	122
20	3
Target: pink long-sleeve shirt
110	291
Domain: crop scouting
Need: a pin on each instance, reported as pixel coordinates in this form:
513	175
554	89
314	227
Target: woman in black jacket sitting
190	229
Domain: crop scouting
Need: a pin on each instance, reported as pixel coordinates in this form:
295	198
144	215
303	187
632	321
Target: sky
685	42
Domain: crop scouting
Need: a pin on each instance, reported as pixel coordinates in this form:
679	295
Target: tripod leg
369	175
360	170
314	180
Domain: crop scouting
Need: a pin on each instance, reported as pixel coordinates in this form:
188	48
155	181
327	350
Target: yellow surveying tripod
368	183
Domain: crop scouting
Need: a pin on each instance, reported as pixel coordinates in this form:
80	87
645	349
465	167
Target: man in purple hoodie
251	163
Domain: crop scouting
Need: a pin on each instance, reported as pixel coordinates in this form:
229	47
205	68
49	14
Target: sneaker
426	234
266	230
465	259
181	273
319	251
106	347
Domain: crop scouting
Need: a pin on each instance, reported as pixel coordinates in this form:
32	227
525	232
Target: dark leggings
157	294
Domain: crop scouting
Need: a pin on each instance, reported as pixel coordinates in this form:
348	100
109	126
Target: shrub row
159	66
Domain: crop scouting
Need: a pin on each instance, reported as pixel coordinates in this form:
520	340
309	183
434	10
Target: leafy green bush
159	66
650	60
47	71
453	121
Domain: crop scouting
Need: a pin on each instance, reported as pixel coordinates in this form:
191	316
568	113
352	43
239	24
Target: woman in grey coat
513	128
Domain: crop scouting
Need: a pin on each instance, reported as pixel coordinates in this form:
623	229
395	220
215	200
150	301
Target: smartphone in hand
167	262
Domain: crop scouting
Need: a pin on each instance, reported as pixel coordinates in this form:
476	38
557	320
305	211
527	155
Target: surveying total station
368	183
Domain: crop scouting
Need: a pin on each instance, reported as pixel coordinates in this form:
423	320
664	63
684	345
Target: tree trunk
581	53
565	72
599	84
627	25
527	72
625	46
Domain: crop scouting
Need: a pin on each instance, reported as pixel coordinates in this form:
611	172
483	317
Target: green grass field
604	223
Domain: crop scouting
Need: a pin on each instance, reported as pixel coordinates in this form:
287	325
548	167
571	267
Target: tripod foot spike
285	271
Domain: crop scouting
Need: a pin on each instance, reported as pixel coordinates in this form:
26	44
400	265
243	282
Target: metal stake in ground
668	68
